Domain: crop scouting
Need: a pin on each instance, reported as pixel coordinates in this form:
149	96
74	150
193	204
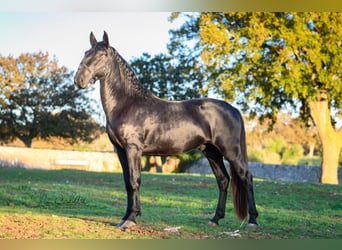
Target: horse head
94	65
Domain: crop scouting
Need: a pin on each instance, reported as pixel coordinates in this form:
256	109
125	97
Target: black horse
140	123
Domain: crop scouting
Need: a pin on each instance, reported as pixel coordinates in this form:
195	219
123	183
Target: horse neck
121	87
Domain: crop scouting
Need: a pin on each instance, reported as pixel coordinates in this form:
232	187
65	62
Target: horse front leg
130	159
215	159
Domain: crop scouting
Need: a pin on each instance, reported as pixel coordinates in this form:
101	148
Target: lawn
71	204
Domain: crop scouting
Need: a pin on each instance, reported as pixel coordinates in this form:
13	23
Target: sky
66	34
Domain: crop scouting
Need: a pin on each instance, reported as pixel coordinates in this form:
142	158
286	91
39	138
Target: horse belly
174	141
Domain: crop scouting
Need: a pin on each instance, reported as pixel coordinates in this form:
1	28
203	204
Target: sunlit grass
78	204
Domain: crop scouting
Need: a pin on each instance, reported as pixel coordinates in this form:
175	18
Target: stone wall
302	173
58	159
108	162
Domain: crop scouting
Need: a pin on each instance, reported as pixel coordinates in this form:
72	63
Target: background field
69	204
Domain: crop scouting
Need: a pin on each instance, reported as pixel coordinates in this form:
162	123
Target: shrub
187	159
275	145
293	154
272	158
256	155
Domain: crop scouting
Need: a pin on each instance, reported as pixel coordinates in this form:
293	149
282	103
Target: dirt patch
31	226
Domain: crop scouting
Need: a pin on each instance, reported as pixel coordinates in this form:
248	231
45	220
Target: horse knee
249	178
223	183
132	187
239	169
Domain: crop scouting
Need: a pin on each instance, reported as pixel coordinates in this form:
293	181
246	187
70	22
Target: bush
275	145
272	158
256	155
277	151
187	159
293	154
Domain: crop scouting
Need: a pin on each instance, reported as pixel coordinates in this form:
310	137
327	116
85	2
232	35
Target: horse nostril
78	81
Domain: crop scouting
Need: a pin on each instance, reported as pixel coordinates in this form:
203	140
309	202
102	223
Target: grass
71	204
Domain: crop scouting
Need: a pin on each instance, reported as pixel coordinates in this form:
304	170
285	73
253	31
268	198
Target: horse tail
239	183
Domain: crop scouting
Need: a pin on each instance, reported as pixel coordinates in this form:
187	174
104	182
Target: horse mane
130	82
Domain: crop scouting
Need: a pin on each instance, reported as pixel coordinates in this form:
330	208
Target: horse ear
93	41
105	39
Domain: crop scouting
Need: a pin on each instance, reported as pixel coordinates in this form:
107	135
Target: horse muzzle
82	80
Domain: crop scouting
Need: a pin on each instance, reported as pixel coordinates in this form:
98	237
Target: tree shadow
99	196
167	199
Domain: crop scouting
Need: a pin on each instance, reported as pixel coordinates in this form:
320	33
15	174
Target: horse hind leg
215	159
253	213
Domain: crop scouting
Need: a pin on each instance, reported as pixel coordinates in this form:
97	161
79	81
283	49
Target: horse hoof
120	223
252	226
125	224
212	224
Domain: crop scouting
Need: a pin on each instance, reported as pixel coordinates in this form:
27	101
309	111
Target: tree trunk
311	149
26	140
330	138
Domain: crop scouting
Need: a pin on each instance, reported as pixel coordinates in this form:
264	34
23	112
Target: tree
164	78
267	62
38	100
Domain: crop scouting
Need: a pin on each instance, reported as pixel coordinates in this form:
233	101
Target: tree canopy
163	77
266	62
38	100
272	60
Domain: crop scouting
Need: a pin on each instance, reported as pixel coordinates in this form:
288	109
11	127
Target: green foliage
265	62
38	100
288	139
272	158
276	145
277	151
163	77
293	154
271	61
69	204
187	159
256	155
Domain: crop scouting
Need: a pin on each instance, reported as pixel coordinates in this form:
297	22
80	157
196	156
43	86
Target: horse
139	123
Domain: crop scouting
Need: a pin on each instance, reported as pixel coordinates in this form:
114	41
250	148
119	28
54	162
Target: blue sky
66	34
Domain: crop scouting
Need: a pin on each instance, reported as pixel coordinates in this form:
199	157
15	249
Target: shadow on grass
81	193
287	210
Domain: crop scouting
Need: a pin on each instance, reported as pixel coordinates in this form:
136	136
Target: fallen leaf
236	233
172	229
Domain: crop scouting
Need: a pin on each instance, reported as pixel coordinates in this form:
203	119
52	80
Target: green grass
77	204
